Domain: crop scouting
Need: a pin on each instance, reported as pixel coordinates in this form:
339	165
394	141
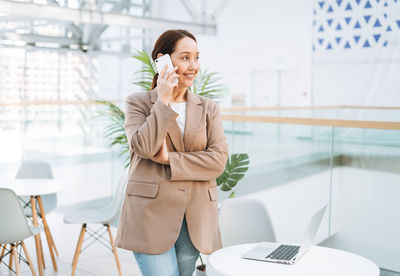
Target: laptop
287	254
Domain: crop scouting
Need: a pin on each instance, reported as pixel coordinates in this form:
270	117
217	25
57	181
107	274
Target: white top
32	186
180	108
317	261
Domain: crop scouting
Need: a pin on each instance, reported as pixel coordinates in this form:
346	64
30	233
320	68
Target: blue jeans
180	260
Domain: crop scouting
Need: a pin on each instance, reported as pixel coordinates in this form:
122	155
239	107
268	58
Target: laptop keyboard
284	252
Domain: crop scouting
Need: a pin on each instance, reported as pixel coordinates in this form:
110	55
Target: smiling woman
177	150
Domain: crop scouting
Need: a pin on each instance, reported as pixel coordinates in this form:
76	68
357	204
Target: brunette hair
166	44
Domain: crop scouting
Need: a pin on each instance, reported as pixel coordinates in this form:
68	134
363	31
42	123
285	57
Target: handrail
310	121
223	109
263	119
238	109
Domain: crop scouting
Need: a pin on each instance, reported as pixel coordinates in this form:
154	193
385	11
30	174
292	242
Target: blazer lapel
173	131
194	110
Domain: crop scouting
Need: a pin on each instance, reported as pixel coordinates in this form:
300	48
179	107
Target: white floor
95	260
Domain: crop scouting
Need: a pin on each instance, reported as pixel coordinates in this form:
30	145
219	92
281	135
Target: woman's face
186	58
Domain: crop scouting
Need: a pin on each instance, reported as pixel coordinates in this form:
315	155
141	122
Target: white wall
254	39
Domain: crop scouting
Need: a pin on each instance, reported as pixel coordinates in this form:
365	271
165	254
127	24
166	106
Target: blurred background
312	95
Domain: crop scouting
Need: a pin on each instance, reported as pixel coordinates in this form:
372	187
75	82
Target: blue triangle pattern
313	47
329	47
347	19
398	23
321	29
385	44
356	38
338	27
329	21
338	39
389	29
357	25
314	12
348	7
366	44
385	5
347	45
367	5
367	18
321	4
377	1
358	2
385	15
320	40
376	37
377	24
330	9
339	2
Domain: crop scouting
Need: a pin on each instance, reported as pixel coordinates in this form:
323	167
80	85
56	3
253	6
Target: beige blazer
158	196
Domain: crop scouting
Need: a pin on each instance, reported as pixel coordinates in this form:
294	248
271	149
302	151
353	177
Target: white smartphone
162	61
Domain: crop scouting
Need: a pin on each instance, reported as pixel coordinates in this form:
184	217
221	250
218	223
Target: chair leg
78	249
52	243
47	232
3	251
10	262
28	258
16	259
41	254
37	237
114	249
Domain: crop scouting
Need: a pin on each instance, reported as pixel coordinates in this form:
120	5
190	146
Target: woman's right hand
166	84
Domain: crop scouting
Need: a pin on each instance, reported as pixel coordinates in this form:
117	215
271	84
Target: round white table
35	188
317	261
32	186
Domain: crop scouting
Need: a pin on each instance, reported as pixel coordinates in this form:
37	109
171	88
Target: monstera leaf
235	169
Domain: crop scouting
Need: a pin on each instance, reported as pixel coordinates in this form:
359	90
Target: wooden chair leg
41	254
47	232
52	243
10	262
114	249
28	258
78	249
3	250
37	237
16	259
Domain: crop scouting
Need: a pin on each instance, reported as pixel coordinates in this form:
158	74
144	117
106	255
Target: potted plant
206	84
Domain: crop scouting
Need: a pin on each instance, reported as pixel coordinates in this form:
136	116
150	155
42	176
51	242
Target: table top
32	186
317	261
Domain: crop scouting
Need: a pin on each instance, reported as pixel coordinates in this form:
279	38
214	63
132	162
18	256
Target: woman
178	149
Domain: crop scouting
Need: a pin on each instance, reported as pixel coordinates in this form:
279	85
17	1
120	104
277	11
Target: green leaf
236	166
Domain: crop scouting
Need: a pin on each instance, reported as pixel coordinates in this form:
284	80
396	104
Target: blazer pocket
213	193
142	189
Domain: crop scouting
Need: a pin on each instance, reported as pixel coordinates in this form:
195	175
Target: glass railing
70	136
300	163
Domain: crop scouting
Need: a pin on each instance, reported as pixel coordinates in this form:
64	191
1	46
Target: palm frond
144	75
207	84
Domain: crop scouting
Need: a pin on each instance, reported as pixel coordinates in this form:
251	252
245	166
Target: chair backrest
118	199
14	226
244	220
34	169
38	169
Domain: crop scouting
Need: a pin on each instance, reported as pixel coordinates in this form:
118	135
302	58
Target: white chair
37	169
106	216
14	229
244	220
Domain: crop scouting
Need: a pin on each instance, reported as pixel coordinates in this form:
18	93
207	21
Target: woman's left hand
162	155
